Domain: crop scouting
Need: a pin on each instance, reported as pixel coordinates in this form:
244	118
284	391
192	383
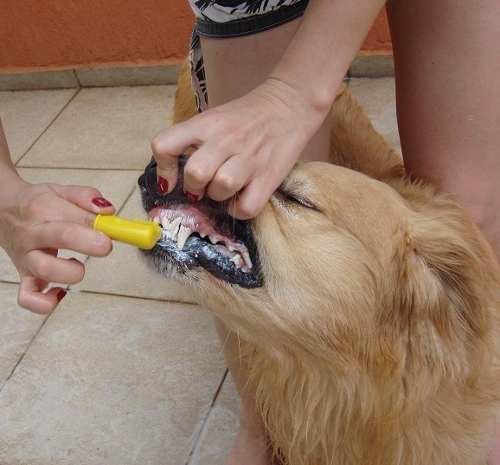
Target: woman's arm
8	173
319	55
38	219
250	144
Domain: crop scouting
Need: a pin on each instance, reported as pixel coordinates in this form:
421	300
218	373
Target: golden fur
374	338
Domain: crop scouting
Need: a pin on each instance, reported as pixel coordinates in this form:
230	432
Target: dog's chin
198	236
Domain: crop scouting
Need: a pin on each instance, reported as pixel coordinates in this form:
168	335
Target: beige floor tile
114	185
25	115
220	429
8	272
17	329
126	272
105	128
377	96
111	381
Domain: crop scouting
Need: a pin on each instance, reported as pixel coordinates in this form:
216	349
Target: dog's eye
295	197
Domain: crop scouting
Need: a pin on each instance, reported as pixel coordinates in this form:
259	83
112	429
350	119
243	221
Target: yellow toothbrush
140	233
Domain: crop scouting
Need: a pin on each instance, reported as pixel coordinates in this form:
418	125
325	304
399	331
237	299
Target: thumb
167	147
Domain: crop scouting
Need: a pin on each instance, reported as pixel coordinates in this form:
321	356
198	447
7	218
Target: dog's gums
199	235
181	222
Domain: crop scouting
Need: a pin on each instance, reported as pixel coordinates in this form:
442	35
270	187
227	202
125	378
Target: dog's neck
314	414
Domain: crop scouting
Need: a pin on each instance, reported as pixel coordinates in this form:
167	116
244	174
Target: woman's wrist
10	179
319	97
10	185
328	38
298	102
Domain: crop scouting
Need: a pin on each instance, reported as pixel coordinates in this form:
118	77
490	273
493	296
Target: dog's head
336	258
357	296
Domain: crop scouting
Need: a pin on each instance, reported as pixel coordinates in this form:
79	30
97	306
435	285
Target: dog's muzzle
199	235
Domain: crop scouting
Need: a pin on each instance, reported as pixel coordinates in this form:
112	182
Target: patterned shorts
233	18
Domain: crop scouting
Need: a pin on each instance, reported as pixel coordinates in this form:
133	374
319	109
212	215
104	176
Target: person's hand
244	147
38	219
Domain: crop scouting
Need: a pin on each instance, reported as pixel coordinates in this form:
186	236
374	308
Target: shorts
233	18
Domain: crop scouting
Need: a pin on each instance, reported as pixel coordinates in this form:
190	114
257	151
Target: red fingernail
101	202
60	295
162	185
192	198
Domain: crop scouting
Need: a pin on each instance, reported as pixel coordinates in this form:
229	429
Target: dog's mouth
200	234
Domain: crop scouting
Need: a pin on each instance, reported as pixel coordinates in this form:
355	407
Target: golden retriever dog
366	304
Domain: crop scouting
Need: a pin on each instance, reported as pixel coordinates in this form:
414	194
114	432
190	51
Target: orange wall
379	38
57	34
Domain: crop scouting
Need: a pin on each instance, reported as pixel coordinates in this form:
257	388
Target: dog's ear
185	101
445	291
357	145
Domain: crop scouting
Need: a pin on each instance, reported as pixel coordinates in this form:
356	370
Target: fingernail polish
101	202
60	295
192	198
162	185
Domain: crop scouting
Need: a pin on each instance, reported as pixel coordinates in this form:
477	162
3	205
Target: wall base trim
376	65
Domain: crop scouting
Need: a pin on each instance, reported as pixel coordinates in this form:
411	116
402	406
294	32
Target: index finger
170	144
62	210
251	200
88	200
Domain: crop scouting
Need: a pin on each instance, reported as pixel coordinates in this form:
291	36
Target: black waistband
251	24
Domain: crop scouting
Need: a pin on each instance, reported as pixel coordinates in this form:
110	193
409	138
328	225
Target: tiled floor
126	371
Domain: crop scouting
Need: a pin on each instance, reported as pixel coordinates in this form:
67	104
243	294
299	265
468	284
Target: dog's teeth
182	237
213	239
202	234
248	261
237	260
163	217
173	228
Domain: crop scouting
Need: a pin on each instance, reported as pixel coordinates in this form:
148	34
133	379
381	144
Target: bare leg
448	99
233	67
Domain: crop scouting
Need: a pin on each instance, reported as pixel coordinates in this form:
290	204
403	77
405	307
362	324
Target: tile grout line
77	78
37	332
198	434
87	257
21	358
129	196
48	126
